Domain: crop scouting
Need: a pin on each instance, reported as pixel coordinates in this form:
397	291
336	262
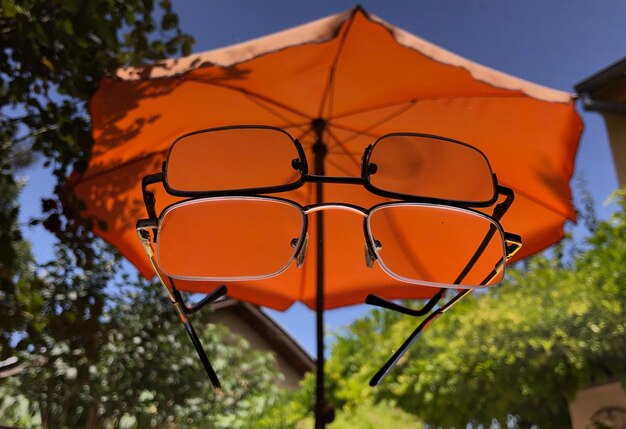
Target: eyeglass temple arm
513	244
177	300
382	372
513	241
377	301
148	197
213	296
504	206
377	378
183	312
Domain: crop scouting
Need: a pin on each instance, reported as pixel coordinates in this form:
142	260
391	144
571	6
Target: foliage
15	409
62	333
151	358
13	254
92	358
97	362
294	410
54	54
291	410
375	416
517	353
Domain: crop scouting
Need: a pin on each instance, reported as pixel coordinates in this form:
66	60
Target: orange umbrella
344	80
365	78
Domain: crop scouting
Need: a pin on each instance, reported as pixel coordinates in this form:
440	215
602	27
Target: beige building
598	407
605	93
604	406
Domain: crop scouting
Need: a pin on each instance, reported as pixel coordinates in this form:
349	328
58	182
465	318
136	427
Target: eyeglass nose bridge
313	208
371	245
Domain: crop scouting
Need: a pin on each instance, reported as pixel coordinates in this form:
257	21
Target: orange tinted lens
226	239
436	244
238	158
431	167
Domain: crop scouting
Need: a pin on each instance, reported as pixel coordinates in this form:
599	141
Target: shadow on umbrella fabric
337	85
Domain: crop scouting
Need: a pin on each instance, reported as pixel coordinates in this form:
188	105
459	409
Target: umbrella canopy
364	78
335	84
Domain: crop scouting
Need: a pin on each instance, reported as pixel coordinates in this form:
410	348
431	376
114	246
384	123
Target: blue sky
555	43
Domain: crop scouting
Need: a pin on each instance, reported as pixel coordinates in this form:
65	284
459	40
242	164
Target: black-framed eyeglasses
234	160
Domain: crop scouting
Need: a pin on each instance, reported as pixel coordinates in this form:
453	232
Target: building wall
610	397
616	126
231	320
615	92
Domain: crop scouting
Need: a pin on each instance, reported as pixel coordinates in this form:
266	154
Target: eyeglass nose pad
370	256
302	252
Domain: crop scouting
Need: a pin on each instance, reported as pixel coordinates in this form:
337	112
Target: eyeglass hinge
513	244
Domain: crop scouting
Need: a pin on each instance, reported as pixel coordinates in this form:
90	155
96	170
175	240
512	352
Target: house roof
601	79
280	341
605	91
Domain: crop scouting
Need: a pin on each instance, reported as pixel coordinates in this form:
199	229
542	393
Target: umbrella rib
275	113
257	96
84	179
354	131
330	86
519	192
431	98
378	123
341	145
371	109
303	134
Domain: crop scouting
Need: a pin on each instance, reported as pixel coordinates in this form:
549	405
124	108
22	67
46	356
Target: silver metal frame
300	249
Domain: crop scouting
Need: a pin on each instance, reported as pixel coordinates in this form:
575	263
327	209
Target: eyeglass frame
511	247
301	164
511	242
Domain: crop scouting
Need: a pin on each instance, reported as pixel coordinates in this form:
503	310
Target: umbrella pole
323	414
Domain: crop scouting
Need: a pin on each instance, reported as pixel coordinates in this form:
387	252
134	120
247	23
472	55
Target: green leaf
169	21
68	27
71	6
507	352
8	9
42	37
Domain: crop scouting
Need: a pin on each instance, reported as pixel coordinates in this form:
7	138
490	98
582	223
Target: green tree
93	360
13	249
358	409
150	357
294	410
375	416
516	354
11	318
54	54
